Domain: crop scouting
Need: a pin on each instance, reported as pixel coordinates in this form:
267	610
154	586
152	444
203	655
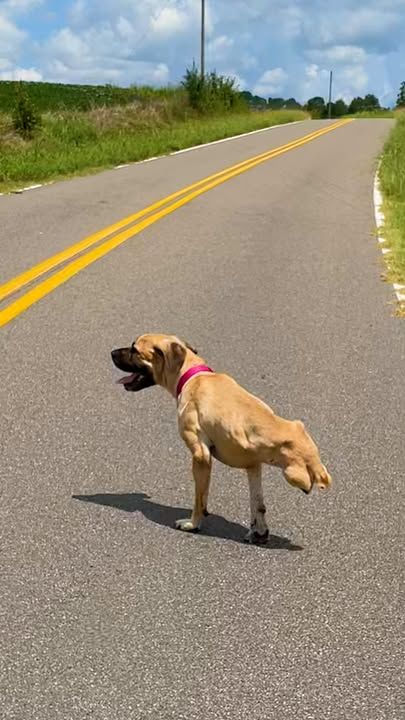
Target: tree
401	96
316	106
259	101
356	105
26	118
371	102
253	100
339	108
276	103
292	104
368	103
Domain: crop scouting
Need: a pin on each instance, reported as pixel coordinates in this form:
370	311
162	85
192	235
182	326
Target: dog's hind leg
258	532
202	475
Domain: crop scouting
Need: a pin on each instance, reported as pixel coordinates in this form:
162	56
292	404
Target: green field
49	97
392	177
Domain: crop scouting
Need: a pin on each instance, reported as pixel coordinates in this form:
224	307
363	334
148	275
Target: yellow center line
45	287
18	282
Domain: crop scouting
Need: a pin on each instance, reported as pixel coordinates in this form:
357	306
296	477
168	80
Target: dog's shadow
214	525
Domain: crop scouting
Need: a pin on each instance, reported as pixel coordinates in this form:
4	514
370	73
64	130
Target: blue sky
273	47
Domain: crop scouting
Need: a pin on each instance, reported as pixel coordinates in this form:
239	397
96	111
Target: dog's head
152	360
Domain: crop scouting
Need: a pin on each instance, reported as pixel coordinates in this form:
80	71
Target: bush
212	93
26	119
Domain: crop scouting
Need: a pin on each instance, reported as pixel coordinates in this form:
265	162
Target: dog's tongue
127	379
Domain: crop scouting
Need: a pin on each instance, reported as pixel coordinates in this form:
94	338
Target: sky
272	47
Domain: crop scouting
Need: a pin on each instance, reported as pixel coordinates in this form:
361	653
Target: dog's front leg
258	532
202	475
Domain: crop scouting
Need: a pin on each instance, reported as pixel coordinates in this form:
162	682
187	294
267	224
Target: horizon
273	50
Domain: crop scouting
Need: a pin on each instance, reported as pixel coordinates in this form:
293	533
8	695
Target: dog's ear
175	356
160	357
172	357
191	348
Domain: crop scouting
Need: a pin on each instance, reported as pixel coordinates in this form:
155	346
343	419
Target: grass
392	178
367	114
76	143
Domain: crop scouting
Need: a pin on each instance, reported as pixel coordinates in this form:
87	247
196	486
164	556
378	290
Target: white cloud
375	27
219	48
169	21
27	74
11	41
312	71
11	38
271	81
291	21
353	80
338	54
87	58
348	82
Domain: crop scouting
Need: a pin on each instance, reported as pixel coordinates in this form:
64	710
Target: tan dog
218	418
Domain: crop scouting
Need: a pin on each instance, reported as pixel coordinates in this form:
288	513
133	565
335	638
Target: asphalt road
106	611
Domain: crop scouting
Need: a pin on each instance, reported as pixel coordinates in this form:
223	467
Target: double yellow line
154	212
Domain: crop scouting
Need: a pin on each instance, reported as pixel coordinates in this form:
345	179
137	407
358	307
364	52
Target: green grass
367	114
76	143
392	177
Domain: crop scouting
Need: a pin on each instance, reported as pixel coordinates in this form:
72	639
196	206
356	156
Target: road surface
106	611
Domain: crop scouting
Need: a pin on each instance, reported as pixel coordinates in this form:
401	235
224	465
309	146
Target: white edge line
379	221
232	137
213	142
176	152
29	187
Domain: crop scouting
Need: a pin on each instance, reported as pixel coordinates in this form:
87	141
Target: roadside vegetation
392	178
42	137
50	131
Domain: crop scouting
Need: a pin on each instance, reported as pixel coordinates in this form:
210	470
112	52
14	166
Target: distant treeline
317	105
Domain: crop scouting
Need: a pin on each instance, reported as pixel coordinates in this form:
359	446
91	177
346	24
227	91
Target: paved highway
273	273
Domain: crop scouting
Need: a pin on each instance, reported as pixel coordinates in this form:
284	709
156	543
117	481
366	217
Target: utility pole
330	96
202	64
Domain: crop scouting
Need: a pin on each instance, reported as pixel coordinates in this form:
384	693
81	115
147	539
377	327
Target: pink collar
196	370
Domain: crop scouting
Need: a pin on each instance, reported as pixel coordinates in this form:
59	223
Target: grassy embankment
392	178
83	129
373	114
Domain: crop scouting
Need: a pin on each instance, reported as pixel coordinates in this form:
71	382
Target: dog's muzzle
139	376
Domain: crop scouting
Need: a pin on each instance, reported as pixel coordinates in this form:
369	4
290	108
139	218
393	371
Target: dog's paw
186	526
255	538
